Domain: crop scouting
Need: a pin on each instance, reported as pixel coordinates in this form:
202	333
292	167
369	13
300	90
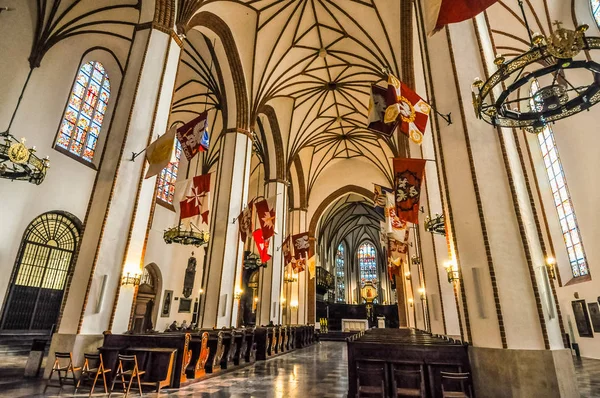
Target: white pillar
225	251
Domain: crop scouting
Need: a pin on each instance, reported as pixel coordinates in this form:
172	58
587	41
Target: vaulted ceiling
314	62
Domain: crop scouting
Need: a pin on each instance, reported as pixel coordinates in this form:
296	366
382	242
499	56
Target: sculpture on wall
190	275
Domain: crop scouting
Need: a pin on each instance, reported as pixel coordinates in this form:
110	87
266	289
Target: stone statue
190	275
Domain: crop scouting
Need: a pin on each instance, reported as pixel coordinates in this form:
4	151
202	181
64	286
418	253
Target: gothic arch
219	27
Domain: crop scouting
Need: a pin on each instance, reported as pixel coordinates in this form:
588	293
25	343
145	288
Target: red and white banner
395	228
262	245
439	13
196	201
409	110
265	212
408	175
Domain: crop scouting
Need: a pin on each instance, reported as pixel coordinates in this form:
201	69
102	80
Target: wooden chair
375	374
127	373
408	380
452	380
63	363
93	368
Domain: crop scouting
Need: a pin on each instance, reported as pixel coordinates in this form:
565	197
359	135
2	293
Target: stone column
218	307
506	308
298	224
122	199
271	278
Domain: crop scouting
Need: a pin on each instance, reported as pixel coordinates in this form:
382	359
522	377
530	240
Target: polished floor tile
316	371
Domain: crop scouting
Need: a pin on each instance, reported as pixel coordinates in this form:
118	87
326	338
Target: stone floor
316	371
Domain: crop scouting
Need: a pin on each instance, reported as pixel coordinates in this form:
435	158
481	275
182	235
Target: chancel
303	198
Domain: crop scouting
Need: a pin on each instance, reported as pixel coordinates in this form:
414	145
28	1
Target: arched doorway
144	316
42	272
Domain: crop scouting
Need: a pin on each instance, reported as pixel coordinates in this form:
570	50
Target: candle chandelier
17	162
558	64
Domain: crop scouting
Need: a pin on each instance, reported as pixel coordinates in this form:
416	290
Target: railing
325	280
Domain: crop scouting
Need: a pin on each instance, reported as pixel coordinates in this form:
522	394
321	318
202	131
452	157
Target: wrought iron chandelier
252	261
186	237
17	162
506	98
436	225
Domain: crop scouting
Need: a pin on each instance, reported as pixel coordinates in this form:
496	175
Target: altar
355	325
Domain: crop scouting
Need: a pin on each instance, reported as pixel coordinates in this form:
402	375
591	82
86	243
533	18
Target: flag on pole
380	198
287	251
378	103
396	228
408	175
196	200
262	245
265	211
301	245
439	13
312	266
408	109
245	221
160	152
193	136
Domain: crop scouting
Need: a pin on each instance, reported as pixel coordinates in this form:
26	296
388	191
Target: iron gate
41	272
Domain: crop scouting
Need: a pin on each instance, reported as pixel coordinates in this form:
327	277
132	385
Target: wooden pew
170	374
263	342
250	353
200	352
240	346
401	352
215	345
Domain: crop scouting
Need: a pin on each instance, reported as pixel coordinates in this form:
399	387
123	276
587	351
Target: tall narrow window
562	198
367	262
80	128
168	177
596	11
340	287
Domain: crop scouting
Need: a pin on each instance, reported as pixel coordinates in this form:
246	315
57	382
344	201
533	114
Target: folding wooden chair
93	368
63	363
127	373
456	385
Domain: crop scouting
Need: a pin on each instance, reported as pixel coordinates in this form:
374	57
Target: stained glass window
83	118
168	177
562	197
340	287
596	10
367	263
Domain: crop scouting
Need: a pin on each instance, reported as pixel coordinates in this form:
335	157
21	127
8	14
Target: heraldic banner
408	175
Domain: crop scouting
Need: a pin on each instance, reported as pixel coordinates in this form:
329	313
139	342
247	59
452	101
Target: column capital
238	130
277	180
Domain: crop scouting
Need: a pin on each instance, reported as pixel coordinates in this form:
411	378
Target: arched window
340	287
168	176
367	262
85	111
41	272
596	10
562	197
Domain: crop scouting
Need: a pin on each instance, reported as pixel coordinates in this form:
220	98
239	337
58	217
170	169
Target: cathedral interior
291	198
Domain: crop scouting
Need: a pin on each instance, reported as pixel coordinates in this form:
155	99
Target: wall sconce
407	275
256	299
550	267
290	277
415	260
201	291
282	301
411	301
422	293
131	278
237	294
452	271
294	304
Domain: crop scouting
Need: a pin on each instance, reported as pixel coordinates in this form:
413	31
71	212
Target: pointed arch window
340	287
562	197
168	176
82	121
367	262
596	11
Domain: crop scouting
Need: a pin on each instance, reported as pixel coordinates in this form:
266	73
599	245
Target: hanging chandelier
17	162
186	237
506	98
